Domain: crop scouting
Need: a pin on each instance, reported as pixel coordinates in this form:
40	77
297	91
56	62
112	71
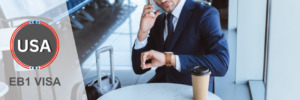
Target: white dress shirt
176	13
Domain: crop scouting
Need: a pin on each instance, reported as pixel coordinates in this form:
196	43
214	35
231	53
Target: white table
154	91
3	89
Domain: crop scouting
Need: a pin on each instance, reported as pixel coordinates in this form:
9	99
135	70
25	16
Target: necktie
170	32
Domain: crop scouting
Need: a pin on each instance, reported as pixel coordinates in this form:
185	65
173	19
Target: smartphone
152	2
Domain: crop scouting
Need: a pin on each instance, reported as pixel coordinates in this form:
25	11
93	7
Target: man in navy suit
187	34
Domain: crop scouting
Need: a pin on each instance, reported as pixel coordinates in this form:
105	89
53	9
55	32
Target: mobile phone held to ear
151	2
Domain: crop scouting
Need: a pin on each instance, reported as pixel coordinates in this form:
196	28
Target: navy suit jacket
198	40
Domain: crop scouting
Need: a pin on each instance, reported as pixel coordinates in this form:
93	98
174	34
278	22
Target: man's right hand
147	21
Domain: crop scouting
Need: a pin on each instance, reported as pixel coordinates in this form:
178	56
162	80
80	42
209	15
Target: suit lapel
161	33
184	18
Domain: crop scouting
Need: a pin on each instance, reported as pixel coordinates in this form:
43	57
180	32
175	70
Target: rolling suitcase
98	85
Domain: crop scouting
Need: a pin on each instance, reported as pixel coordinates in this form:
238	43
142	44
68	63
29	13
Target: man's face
167	5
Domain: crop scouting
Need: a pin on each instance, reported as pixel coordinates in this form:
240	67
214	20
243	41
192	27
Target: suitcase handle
98	52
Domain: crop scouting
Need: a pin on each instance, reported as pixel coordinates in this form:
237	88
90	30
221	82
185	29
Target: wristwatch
168	58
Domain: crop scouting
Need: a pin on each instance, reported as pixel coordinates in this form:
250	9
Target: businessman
186	34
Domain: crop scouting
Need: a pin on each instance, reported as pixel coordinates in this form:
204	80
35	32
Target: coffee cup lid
200	71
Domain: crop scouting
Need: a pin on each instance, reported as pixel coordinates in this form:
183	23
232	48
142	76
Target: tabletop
3	89
154	91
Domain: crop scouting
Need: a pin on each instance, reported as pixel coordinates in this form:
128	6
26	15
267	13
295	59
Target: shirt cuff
178	66
140	44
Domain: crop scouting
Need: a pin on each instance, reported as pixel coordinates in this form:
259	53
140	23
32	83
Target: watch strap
168	58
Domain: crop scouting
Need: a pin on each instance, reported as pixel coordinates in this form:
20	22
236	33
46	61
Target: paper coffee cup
200	82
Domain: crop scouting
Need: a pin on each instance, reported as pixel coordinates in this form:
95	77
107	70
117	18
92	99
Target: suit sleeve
136	59
136	53
217	56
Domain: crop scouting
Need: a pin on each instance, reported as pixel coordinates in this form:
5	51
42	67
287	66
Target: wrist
142	36
173	60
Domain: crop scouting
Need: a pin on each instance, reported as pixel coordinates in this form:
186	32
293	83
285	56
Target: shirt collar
176	12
